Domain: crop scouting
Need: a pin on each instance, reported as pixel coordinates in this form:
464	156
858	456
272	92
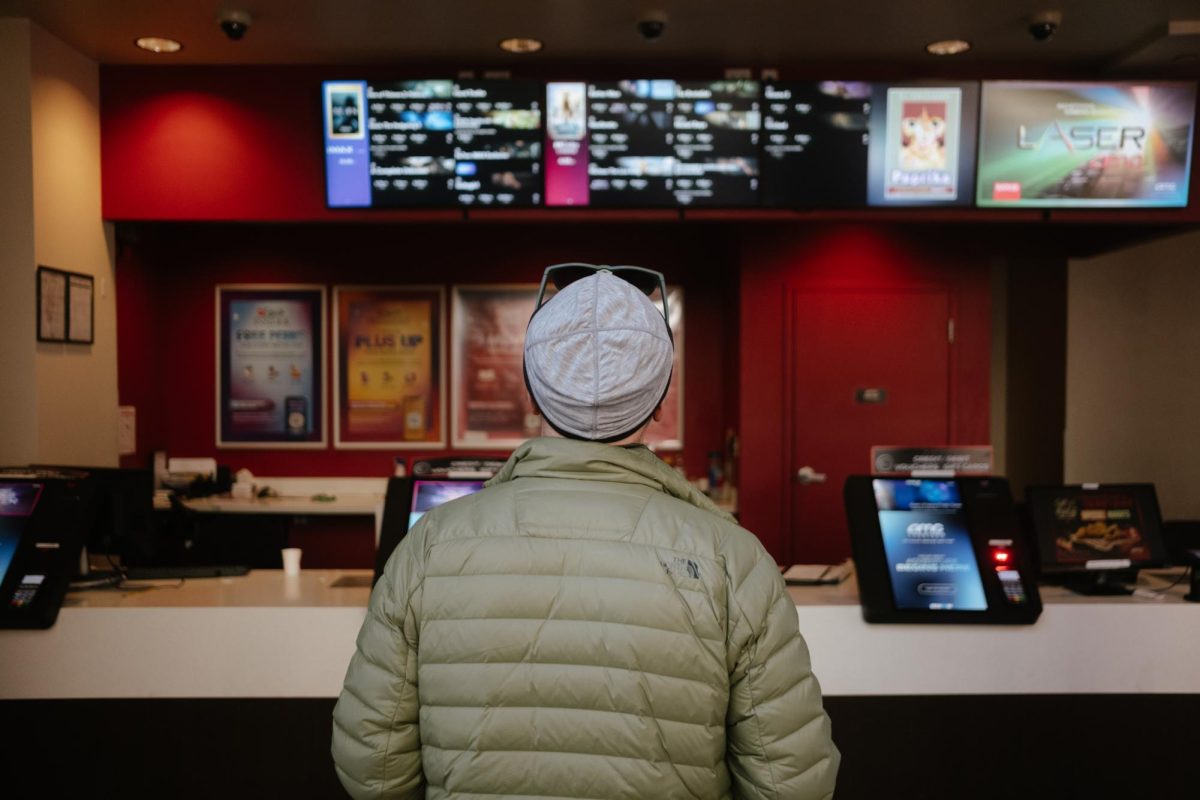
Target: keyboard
172	573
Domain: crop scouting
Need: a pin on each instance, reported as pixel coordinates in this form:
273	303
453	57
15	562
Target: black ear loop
607	439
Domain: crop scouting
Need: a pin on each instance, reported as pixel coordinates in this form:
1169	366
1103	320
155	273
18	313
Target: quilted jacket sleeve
376	744
778	741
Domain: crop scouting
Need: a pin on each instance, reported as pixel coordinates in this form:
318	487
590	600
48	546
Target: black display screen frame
1041	501
992	524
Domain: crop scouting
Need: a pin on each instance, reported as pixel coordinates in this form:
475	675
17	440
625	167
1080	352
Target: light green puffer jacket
588	626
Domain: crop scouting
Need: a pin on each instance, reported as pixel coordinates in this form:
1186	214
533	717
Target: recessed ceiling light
157	44
521	44
948	47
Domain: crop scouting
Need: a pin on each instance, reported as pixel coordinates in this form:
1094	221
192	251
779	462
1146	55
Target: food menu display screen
433	143
17	501
837	144
652	143
1105	527
1085	144
431	494
930	557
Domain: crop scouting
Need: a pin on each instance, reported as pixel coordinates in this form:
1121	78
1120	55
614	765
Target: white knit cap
598	358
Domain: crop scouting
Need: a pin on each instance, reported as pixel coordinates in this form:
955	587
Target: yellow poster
389	366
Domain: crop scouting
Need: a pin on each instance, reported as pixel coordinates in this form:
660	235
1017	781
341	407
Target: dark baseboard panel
939	747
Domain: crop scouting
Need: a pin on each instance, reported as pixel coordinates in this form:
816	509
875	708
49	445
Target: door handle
808	475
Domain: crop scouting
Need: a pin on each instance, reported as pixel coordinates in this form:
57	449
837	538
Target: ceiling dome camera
652	25
234	24
1044	24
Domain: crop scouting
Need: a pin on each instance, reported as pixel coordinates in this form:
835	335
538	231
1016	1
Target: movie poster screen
271	366
389	369
1082	145
491	407
667	432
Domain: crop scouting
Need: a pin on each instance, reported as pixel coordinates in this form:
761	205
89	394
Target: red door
867	368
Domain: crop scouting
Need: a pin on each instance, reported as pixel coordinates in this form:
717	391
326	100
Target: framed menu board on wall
66	306
270	366
389	363
491	409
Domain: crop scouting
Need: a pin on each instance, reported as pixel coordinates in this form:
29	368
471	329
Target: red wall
220	147
167	274
777	259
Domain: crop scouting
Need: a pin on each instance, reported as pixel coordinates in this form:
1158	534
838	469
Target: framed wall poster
490	406
81	308
51	305
389	367
667	433
270	366
65	306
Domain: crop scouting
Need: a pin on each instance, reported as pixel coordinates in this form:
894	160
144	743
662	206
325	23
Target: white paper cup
291	560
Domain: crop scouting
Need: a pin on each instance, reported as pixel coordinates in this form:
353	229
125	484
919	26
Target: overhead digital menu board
433	143
648	143
843	144
1085	144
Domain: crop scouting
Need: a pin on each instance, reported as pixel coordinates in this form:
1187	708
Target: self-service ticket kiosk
946	550
41	522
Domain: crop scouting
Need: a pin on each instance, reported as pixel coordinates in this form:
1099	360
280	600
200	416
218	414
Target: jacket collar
549	457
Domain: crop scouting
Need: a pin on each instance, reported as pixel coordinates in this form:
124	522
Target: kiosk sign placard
962	460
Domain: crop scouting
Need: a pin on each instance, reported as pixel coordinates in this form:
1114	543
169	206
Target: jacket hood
549	457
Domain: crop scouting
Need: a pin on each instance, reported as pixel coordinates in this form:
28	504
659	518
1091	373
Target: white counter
267	635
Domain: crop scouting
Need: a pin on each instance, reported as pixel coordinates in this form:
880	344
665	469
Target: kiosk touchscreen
407	501
1094	537
939	550
41	523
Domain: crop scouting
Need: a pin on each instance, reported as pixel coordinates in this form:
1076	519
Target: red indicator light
1001	556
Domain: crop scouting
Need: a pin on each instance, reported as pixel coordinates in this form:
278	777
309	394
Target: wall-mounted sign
390	385
271	366
872	396
928	461
491	409
65	306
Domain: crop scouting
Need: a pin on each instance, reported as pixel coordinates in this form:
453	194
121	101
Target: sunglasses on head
642	279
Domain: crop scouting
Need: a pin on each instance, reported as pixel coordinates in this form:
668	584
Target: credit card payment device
946	550
41	525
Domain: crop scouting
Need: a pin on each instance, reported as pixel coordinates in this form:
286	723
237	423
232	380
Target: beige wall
18	391
1133	371
76	427
57	402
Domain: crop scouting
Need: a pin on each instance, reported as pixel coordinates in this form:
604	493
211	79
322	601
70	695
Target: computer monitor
1094	537
121	522
407	500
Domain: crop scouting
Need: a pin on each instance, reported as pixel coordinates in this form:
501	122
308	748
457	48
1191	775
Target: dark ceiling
1109	37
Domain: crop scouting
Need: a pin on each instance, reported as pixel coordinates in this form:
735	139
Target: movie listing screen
652	143
845	144
931	560
1085	144
433	143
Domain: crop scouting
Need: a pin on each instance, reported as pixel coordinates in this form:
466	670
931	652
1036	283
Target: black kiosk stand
1193	595
41	523
940	550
